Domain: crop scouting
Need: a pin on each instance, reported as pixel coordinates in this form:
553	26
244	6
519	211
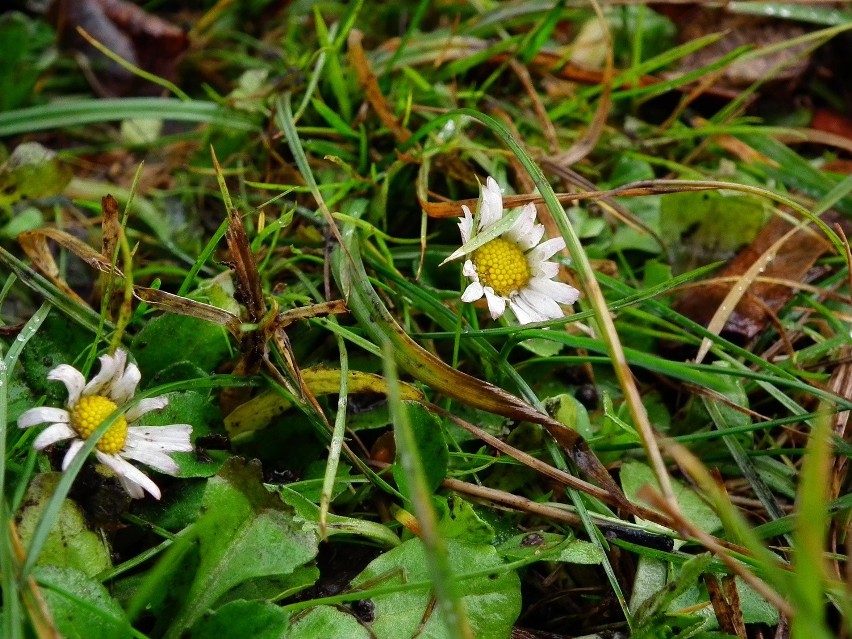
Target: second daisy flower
513	268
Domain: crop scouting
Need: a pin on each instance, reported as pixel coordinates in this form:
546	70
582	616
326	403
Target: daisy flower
89	404
513	268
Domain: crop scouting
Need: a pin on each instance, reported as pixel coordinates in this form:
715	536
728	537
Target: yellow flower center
502	265
89	413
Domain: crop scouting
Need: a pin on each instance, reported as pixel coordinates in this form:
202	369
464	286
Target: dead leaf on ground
756	309
695	20
127	30
35	245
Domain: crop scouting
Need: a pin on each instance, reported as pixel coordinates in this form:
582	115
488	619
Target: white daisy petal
42	415
544	305
466	224
130	475
123	387
532	238
496	304
52	434
73	380
156	460
73	451
146	406
523	225
559	291
491	210
469	270
134	490
526	312
546	250
109	367
526	233
174	438
473	292
548	270
523	312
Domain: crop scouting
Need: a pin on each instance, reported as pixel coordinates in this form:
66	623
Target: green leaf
635	474
273	588
240	619
538	544
26	219
194	408
755	608
32	171
705	226
460	521
658	602
60	341
326	622
492	600
81	607
568	410
308	516
245	533
431	446
26	51
70	544
169	339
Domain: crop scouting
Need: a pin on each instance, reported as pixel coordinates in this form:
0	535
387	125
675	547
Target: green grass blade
69	113
445	585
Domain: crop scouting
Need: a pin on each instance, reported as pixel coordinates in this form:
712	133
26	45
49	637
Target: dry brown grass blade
40	616
249	289
334	307
726	604
368	81
451	208
841	384
587	142
35	245
111	227
249	292
608	492
189	308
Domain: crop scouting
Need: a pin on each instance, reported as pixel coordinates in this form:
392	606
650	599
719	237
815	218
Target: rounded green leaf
81	607
326	622
492	600
255	619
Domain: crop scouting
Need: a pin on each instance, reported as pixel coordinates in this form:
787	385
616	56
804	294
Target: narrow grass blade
444	583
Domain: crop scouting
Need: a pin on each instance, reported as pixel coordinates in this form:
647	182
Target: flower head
88	406
513	267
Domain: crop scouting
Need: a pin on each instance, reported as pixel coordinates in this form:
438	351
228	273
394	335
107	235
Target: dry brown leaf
754	311
726	604
695	20
35	245
190	308
110	227
139	37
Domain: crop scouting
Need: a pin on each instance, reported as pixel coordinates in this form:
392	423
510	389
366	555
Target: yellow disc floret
89	413
502	265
